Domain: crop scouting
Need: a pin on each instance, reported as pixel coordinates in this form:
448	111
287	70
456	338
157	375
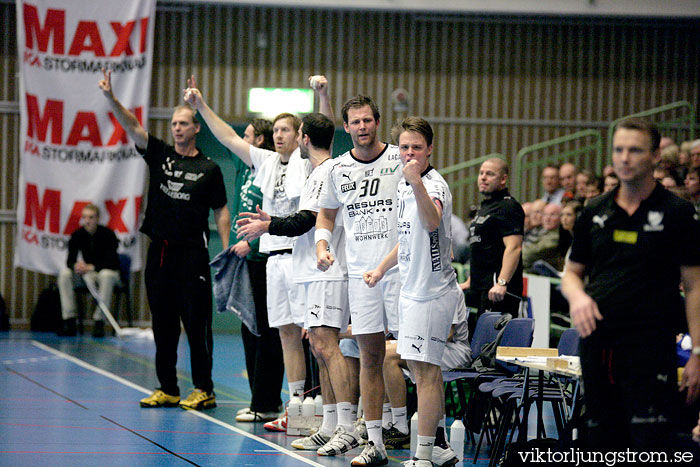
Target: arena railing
549	154
685	124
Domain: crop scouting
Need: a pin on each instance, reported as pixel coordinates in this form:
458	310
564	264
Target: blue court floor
73	401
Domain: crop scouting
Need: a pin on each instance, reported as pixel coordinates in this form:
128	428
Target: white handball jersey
425	264
304	255
365	193
271	177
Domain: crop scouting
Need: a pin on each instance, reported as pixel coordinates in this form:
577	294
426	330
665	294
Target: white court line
128	383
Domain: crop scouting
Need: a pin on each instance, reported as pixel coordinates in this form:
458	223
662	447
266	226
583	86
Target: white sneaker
361	429
311	443
417	463
371	455
242	411
444	457
341	441
256	417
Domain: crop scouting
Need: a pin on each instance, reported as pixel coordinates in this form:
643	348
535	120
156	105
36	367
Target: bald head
493	175
567	176
536	211
550	217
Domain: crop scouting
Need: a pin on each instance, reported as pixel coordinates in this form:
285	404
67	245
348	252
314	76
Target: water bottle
414	433
294	408
457	433
318	402
308	408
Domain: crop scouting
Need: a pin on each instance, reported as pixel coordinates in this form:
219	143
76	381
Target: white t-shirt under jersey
365	193
271	176
305	269
425	264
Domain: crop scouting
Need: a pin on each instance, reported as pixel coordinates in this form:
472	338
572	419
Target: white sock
386	415
296	387
374	432
424	450
441	422
400	419
330	419
353	411
346	417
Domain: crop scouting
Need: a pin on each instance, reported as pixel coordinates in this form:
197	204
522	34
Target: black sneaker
98	329
395	438
68	329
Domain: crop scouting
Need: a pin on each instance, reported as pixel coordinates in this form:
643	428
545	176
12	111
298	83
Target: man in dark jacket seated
99	264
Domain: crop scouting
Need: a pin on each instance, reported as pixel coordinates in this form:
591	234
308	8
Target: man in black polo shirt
634	245
496	238
184	185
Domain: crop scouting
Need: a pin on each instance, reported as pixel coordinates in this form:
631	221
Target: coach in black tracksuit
184	185
634	245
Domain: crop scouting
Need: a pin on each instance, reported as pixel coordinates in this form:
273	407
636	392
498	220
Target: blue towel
232	289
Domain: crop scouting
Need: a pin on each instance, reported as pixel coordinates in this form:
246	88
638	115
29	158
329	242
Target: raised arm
319	84
429	209
126	119
221	130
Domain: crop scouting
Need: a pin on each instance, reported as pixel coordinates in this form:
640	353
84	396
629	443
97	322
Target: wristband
323	234
696	350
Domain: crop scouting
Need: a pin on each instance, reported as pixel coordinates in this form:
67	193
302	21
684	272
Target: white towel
297	172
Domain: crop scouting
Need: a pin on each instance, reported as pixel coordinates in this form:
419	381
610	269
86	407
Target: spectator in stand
569	214
546	248
610	183
684	154
669	182
582	179
692	184
694	153
535	221
660	173
567	219
607	170
665	142
567	179
594	187
553	193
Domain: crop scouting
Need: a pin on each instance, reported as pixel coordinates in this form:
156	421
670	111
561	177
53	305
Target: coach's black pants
263	355
178	285
630	390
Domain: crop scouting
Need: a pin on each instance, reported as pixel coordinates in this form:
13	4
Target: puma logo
345	175
314	313
417	347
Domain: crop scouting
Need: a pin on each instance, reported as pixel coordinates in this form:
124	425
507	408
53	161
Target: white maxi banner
72	149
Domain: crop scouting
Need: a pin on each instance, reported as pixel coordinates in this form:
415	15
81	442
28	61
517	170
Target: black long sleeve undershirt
292	226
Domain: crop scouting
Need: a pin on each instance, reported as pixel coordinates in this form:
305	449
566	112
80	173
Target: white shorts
285	299
326	304
424	327
457	355
374	309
